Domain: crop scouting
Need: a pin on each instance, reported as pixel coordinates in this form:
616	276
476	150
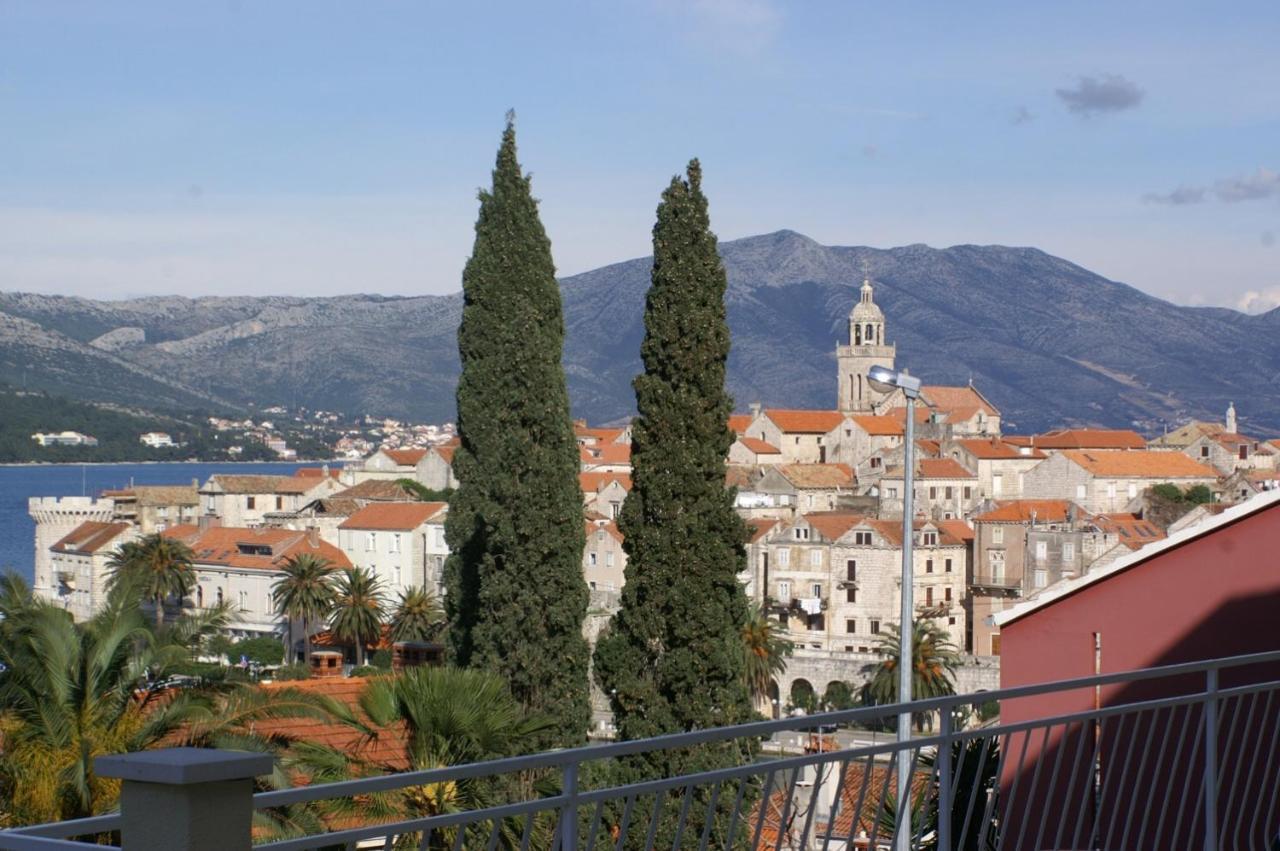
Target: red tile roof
759	527
1133	531
1022	510
956	399
380	490
1090	438
818	475
995	449
941	468
393	516
804	422
958	529
881	425
832	524
251	484
257	549
593	526
605	453
1139	464
758	446
739	422
405	457
388	748
445	451
595	482
90	537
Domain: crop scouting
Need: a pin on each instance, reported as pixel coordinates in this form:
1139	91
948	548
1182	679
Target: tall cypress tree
672	659
516	595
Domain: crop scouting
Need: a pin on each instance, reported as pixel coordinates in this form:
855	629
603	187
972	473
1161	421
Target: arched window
868	335
200	596
857	335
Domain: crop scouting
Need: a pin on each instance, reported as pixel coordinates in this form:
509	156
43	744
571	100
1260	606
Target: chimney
313	536
1231	418
755	409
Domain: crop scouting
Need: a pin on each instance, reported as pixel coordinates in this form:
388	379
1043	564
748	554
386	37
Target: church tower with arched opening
866	348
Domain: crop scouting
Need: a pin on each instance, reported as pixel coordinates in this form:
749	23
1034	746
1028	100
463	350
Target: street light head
886	380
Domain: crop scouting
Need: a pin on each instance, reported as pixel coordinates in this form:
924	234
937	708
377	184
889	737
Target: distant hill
1048	342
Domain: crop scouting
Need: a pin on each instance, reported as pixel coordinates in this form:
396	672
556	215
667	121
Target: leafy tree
451	717
1167	490
766	650
303	594
1199	494
934	662
672	659
156	567
803	697
516	595
70	692
838	696
357	609
298	671
417	616
263	651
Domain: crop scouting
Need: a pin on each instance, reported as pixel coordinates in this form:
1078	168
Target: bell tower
866	348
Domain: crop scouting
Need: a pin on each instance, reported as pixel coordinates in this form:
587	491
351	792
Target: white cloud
1262	184
1259	301
1108	93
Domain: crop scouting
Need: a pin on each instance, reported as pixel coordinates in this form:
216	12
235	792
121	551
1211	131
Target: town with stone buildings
999	519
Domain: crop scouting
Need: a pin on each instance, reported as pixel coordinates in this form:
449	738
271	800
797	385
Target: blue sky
325	147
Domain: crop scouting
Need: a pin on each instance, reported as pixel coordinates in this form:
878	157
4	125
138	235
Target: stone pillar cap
183	766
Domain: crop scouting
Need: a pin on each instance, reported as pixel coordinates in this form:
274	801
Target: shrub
367	671
264	651
294	672
381	659
1200	494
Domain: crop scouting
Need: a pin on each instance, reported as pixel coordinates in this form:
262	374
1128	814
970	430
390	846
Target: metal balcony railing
1175	757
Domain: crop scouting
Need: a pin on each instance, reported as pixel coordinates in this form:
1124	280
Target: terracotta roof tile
758	446
246	484
166	494
605	453
389	748
832	524
941	468
379	490
593	526
1022	510
804	422
595	482
957	399
393	516
405	457
995	449
255	549
90	537
759	527
1141	464
1133	531
958	529
740	476
818	475
738	423
1091	438
880	425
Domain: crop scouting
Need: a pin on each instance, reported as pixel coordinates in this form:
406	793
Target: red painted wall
1215	596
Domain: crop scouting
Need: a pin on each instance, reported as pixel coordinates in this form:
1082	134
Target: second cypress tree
516	595
672	659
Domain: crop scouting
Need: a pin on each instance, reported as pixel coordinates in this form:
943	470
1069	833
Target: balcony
1177	757
996	584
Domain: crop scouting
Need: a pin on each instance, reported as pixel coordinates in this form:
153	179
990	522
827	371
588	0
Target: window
395	543
1042	550
200	596
933	493
1244	453
1068	550
244	601
220	595
928	565
797	440
875	463
946	594
851	595
997	534
811	500
370	542
851	625
930	539
591	559
816	588
1111	490
1081	492
947	493
1133	490
1041	577
608	559
947	566
997	483
875	627
615	508
1204	452
784	558
968	492
862	539
891	493
996	562
815	558
802	533
851	570
279	503
928	595
784	592
250	502
951	621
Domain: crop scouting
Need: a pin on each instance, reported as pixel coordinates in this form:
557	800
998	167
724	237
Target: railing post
1211	760
185	799
569	809
944	779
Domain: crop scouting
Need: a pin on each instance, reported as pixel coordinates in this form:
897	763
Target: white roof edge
1259	502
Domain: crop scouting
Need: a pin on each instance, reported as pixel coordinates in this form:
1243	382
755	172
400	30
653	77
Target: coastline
333	461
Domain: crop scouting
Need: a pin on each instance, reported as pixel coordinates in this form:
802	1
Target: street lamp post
886	380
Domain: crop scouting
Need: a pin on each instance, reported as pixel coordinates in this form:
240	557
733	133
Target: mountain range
1048	342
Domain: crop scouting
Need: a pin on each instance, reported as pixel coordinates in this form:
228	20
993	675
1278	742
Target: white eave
1051	595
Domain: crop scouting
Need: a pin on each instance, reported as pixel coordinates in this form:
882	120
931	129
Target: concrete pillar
185	799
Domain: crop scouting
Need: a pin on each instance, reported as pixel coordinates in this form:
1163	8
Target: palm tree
304	594
73	691
448	716
417	617
934	662
766	650
162	565
357	609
